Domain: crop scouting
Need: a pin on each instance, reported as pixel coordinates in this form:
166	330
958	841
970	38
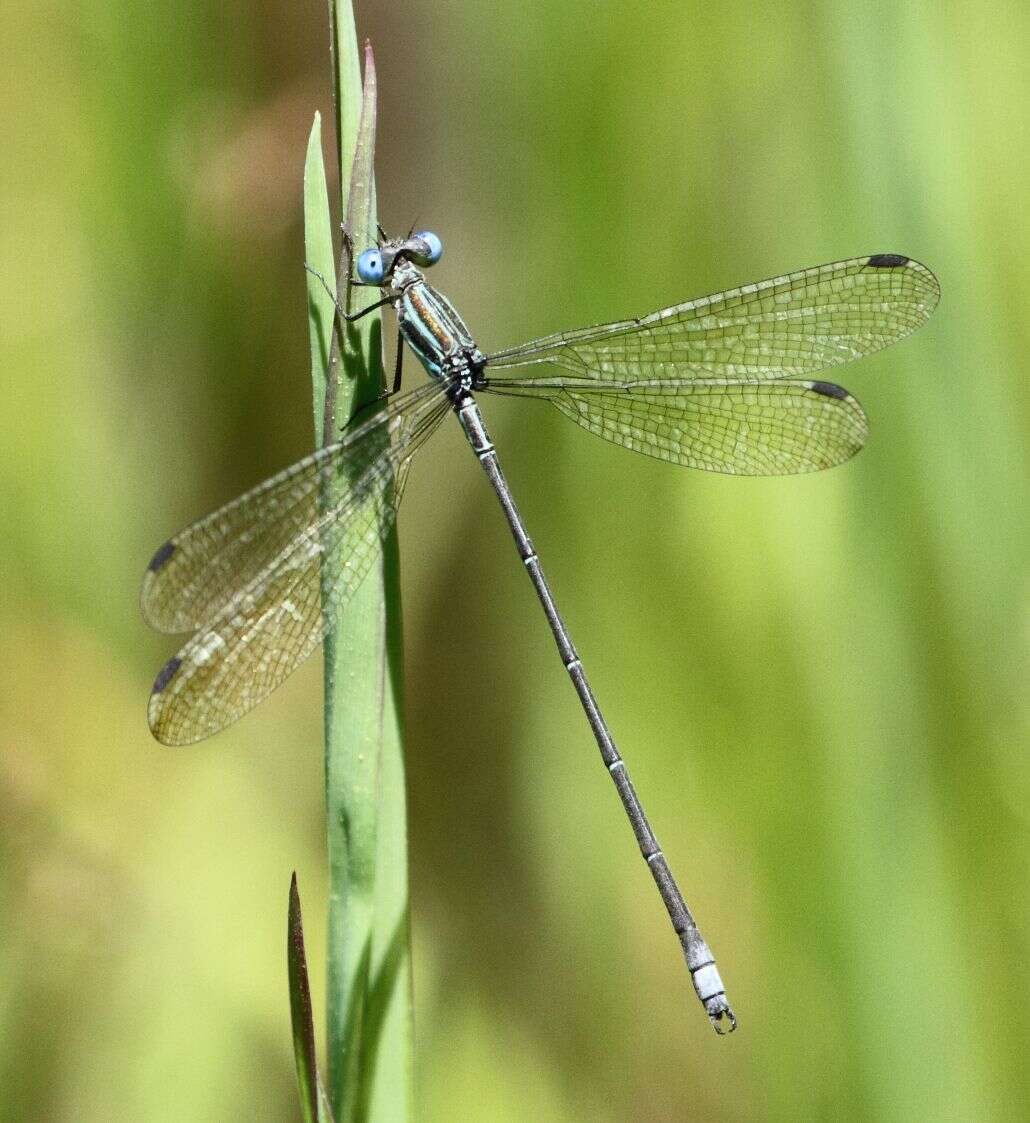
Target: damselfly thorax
432	328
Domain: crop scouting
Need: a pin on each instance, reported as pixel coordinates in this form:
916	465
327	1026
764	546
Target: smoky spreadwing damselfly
723	383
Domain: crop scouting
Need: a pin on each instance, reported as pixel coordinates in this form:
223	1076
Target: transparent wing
721	425
273	623
790	326
199	571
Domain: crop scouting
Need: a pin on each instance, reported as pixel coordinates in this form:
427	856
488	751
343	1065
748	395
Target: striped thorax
432	327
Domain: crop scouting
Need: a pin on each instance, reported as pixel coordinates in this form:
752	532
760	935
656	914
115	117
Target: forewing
720	425
790	326
274	623
199	571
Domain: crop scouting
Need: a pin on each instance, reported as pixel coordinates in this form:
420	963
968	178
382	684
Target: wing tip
855	440
157	711
903	261
154	612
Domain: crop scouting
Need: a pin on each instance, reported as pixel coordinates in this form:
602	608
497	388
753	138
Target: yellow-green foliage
818	682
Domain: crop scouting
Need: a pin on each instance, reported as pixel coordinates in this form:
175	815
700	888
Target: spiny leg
340	311
398	368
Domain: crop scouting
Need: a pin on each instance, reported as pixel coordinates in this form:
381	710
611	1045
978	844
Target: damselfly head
375	265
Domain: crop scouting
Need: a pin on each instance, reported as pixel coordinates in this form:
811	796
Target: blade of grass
368	988
314	1105
353	700
386	1053
318	253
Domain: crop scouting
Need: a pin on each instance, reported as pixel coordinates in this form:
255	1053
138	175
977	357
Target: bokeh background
819	682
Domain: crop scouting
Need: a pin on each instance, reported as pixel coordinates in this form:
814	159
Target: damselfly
722	383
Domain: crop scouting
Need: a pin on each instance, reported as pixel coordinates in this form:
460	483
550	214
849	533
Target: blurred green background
819	683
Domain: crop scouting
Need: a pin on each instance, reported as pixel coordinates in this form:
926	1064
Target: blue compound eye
435	247
370	267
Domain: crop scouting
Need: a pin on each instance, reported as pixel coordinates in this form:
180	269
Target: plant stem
368	1001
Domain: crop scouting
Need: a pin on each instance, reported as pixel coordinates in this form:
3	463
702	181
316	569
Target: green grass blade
314	1106
353	699
368	986
318	253
360	218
